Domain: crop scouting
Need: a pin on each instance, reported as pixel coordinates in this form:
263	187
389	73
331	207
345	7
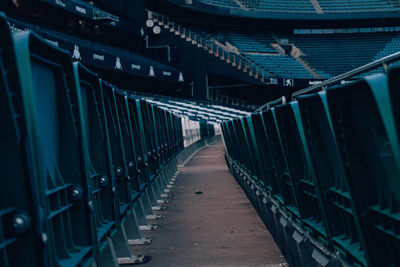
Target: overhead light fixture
157	30
149	23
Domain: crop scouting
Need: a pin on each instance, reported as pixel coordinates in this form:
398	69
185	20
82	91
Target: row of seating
293	6
306	6
281	65
319	51
248	42
296	6
202	112
351	6
224	3
85	164
323	171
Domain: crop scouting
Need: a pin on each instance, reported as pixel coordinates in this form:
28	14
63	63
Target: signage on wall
99	55
288	82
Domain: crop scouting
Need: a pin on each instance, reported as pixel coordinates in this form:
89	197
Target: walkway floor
216	228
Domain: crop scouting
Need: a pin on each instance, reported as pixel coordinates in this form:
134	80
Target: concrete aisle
216	228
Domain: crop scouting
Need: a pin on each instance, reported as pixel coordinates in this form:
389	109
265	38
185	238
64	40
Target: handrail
367	67
211	44
268	105
385	61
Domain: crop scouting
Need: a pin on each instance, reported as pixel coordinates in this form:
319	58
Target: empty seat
128	140
364	129
72	191
117	153
341	211
280	165
138	135
94	141
301	178
265	158
47	76
20	223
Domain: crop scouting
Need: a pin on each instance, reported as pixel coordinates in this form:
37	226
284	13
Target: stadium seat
265	160
330	162
117	153
138	136
365	132
280	167
20	223
341	212
46	76
125	124
302	183
94	142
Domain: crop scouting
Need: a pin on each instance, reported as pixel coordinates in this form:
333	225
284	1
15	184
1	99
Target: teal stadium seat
370	153
46	77
94	141
73	192
20	222
342	214
301	177
327	166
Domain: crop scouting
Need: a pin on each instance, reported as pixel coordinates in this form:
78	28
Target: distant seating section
224	3
281	66
327	54
337	53
257	47
306	6
295	6
199	111
253	42
348	6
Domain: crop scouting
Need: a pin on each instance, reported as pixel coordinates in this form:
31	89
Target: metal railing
268	105
213	46
382	62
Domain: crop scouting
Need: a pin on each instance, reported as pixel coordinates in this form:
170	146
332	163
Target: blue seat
365	132
20	223
47	78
